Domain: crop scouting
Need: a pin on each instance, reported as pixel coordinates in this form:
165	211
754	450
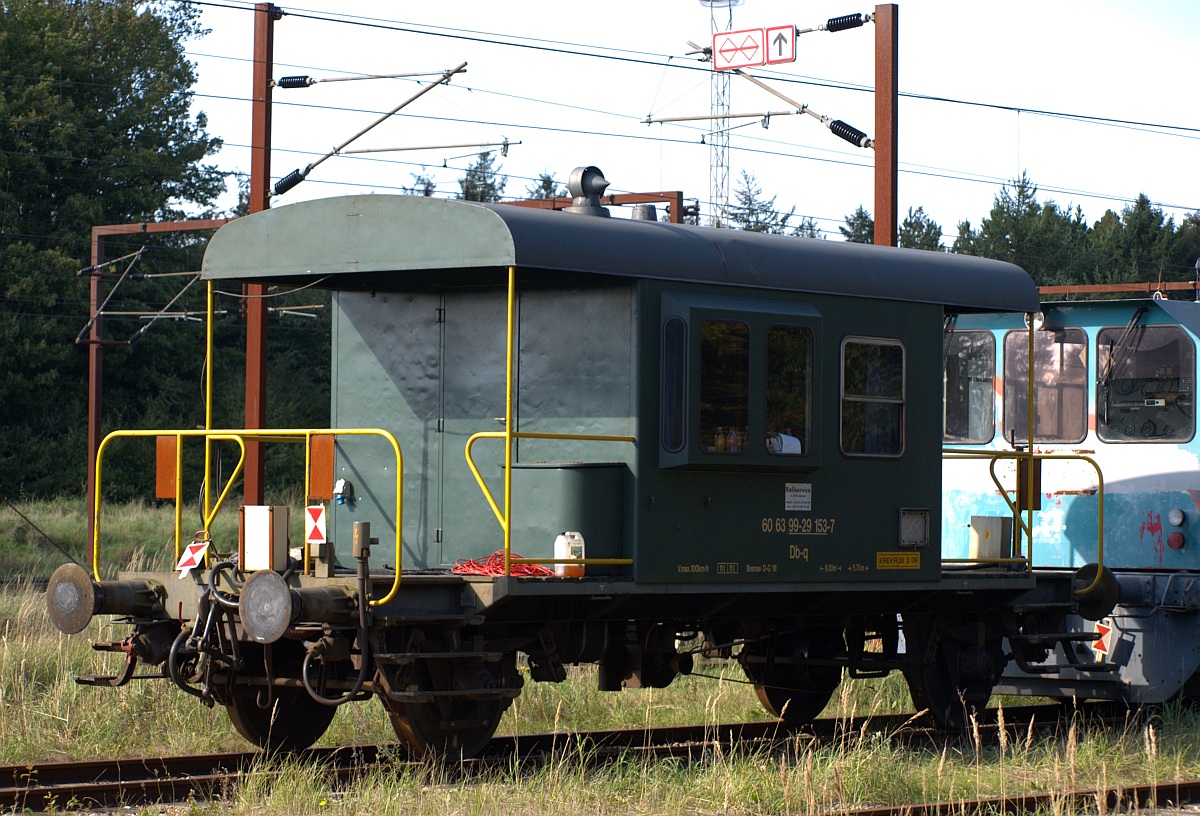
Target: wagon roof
385	242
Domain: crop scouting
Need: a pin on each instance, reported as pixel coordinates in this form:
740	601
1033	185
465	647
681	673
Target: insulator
295	82
851	134
845	21
288	182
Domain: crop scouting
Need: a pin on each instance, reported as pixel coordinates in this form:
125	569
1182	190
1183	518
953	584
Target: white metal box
991	537
263	537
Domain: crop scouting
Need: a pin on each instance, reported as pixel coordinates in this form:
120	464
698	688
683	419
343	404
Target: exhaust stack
586	186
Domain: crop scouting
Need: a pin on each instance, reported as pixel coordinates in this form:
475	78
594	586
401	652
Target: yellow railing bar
994	456
509	433
208	516
209	358
509	354
487	494
596	561
1030	428
239	436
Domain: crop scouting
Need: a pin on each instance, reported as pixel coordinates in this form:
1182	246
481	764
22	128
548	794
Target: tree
1050	243
546	186
753	213
807	228
860	227
422	186
919	231
483	181
96	129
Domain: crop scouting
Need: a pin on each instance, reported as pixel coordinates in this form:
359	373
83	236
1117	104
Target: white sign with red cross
314	524
1102	645
193	556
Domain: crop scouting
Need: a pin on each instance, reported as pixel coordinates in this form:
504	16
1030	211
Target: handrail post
508	422
1031	416
178	497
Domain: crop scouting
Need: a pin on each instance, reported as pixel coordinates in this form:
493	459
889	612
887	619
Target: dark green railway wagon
745	430
783	394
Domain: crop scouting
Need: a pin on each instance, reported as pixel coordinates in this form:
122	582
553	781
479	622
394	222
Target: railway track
20	583
109	783
1124	799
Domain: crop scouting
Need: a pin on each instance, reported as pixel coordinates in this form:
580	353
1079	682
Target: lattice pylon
718	157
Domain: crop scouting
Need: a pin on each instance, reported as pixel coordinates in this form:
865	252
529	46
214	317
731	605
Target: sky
569	84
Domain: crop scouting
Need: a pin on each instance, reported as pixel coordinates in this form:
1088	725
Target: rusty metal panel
887	39
320	468
165	456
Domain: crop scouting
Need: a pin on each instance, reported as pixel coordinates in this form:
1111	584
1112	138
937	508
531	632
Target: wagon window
872	397
789	365
1145	384
674	384
724	385
1060	382
970	364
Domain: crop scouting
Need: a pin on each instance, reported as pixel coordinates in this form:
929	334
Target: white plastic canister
569	545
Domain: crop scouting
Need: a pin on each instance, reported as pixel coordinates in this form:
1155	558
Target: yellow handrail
509	434
240	436
1027	525
487	494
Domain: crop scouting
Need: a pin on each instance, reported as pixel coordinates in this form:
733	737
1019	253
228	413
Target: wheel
449	726
793	706
294	720
292	723
795	693
957	682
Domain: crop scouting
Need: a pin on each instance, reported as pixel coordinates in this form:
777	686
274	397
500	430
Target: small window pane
789	367
874	370
724	385
1146	388
1060	381
674	384
970	367
872	398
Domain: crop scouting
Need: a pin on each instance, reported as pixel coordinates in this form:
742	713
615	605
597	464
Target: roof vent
586	186
645	212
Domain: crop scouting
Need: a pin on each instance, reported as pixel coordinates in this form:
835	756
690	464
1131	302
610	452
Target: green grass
136	532
44	715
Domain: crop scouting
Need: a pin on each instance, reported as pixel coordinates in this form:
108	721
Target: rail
240	437
1025	526
504	516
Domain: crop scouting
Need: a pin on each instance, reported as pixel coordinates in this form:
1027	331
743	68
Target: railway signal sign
314	524
781	44
739	49
753	46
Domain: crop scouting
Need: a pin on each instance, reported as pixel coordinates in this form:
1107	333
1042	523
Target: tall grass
44	715
38	536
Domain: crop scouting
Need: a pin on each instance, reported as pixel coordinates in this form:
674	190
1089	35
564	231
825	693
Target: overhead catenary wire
296	176
1044	187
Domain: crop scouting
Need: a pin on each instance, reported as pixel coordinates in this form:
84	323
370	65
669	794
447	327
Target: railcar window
789	363
1060	385
1146	384
970	365
674	384
872	397
724	385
